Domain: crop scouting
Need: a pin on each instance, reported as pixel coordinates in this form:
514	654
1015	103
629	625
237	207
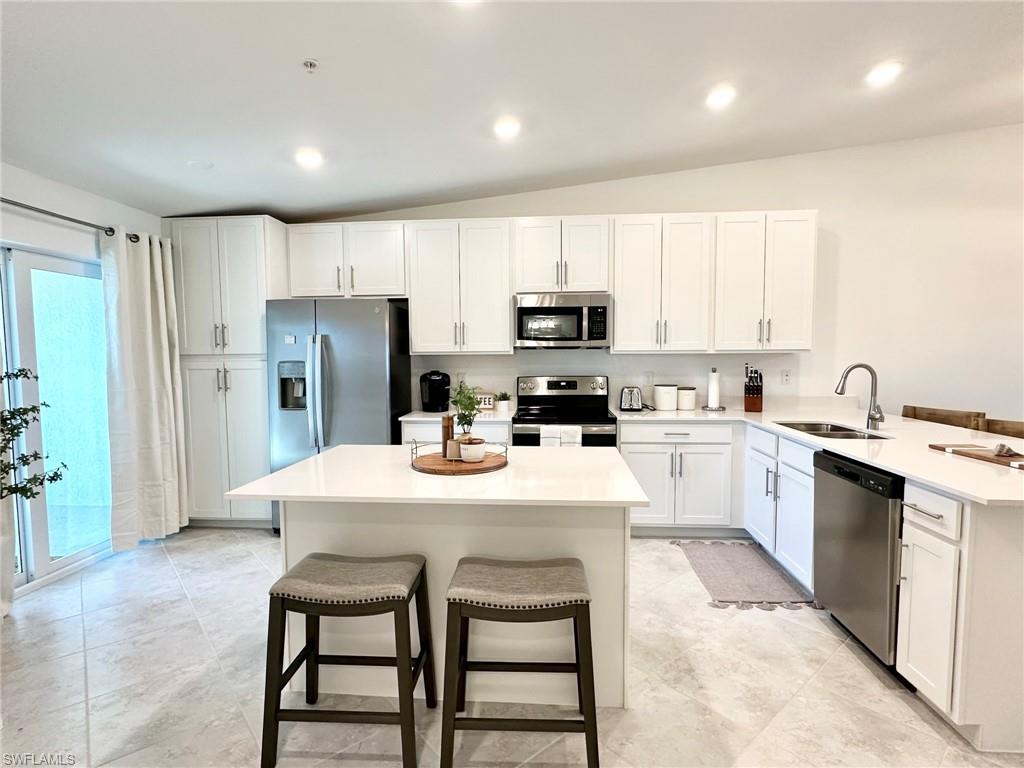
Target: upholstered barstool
517	591
336	585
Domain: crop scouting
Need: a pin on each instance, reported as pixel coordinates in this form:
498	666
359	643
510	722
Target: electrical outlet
649	378
460	377
787	376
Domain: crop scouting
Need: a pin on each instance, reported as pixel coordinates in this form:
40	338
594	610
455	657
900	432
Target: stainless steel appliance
563	320
563	400
339	373
434	389
630	399
857	518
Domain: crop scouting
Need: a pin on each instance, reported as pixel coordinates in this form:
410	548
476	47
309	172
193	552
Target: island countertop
554	477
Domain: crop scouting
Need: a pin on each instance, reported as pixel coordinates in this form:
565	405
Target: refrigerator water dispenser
291	385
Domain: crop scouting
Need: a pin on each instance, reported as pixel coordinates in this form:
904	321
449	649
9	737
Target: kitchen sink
829	430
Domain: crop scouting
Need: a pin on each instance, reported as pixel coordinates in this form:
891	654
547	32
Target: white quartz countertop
427	417
905	453
566	477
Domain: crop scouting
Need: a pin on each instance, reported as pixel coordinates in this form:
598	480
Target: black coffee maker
434	386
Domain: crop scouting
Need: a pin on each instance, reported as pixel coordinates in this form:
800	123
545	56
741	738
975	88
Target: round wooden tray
435	464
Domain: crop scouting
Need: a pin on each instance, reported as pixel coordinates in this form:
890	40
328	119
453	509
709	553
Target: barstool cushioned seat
342	580
519	584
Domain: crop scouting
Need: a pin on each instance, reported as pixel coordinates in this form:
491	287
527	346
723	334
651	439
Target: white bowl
473	453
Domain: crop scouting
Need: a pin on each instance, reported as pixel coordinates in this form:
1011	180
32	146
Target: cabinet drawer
933	511
762	441
797	456
673	433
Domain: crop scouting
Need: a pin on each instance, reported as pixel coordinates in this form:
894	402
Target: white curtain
147	441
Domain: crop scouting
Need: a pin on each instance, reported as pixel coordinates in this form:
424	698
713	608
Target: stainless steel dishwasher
857	516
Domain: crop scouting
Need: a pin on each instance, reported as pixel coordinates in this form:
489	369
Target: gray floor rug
739	573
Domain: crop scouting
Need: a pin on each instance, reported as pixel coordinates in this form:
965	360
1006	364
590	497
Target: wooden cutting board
979	452
435	464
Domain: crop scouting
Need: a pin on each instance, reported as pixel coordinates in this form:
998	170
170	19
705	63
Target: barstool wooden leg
451	685
313	661
460	698
585	676
272	691
403	660
423	624
579	684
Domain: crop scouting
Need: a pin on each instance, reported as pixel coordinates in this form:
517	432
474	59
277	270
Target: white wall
919	268
24	228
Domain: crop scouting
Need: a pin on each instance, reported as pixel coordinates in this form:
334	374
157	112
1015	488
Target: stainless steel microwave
563	320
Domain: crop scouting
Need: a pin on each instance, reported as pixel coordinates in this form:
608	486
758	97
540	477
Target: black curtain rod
109	231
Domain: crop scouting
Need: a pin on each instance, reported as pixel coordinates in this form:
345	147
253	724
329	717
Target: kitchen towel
551	435
572	436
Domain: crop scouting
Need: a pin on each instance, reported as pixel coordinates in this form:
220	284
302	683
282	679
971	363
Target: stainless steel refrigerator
339	373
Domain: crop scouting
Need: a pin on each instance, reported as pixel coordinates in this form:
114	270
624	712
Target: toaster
630	400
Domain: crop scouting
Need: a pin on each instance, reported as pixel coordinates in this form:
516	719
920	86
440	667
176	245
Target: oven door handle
589	429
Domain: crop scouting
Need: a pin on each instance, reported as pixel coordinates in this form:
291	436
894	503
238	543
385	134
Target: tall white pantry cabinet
225	270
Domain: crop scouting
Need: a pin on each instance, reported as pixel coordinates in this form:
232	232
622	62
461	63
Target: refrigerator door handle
311	399
318	388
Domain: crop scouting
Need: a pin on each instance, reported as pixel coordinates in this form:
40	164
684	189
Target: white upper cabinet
585	254
687	256
243	286
537	244
225	270
790	246
484	286
432	248
739	281
375	254
316	260
197	278
637	311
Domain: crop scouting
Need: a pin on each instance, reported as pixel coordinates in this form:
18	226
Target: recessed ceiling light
199	165
884	74
310	65
721	96
309	157
507	128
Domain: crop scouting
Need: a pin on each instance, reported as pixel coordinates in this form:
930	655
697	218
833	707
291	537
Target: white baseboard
686	532
64	572
228	522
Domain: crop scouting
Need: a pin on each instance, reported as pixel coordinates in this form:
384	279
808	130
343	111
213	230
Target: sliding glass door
55	327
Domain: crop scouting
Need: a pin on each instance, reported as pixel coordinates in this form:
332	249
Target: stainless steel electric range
564	400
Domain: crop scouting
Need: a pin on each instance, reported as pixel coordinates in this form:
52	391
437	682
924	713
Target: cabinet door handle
778	486
925	512
768	334
671	466
664	335
455	334
767	481
227	379
760	331
565	274
677	434
216	335
463	334
657	333
351	277
219	385
223	335
558	274
680	454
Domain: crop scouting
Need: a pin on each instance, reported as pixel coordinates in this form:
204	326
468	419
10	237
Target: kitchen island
548	502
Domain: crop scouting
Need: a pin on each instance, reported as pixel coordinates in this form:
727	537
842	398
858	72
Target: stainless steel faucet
875	415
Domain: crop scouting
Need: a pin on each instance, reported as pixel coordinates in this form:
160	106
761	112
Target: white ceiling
116	97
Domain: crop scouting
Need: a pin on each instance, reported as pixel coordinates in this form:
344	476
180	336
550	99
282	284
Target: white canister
664	397
686	398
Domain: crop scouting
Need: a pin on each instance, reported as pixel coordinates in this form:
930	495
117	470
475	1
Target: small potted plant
502	404
467	406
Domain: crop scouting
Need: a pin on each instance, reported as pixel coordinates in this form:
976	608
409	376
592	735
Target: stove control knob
600	385
522	385
530	385
593	385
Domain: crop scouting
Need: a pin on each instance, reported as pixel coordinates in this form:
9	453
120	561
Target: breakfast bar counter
548	502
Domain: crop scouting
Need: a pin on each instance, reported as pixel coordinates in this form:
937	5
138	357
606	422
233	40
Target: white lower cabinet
794	523
759	498
686	484
925	636
227	440
778	502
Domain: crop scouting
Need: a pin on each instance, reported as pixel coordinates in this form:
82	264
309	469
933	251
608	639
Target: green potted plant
467	406
502	404
14	422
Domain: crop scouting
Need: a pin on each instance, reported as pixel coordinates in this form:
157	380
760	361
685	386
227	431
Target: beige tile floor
155	657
